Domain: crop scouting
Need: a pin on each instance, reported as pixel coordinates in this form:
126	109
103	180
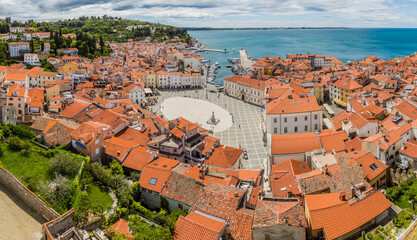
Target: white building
16	97
136	94
186	80
163	79
360	125
193	61
196	80
245	88
16	47
17	29
294	114
31	59
175	80
47	47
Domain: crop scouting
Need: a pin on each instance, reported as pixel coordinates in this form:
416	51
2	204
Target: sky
226	13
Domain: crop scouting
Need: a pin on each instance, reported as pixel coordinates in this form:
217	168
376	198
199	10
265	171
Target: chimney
290	96
378	151
203	172
342	196
236	194
326	170
118	153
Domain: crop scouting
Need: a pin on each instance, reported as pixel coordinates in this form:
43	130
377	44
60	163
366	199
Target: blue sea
345	44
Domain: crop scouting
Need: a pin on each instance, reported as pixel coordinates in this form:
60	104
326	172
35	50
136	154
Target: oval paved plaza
197	111
245	132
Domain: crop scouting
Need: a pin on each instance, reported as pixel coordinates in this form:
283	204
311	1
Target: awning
148	91
340	102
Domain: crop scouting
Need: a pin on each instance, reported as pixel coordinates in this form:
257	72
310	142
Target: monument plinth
213	120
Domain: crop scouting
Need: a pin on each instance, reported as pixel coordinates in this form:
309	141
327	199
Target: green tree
63	163
116	168
3	50
15	143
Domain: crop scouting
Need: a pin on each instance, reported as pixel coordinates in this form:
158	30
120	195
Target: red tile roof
294	143
333	140
154	178
276	212
295	104
283	177
327	210
122	227
223	156
371	166
198	227
223	201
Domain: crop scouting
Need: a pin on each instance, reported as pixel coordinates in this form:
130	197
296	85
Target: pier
214	50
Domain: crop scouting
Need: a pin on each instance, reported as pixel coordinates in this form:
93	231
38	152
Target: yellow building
318	92
52	91
46	77
340	89
70	67
150	79
4	37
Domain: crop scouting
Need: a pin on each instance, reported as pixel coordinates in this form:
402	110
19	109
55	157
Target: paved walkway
17	221
244	132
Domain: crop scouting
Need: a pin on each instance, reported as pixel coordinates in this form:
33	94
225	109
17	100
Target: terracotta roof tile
198	227
326	213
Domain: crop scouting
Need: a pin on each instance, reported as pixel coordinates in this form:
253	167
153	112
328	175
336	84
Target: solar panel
152	181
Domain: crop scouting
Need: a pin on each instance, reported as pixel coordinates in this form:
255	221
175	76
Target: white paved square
245	132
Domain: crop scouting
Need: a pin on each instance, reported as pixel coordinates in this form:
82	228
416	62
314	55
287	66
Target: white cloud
219	13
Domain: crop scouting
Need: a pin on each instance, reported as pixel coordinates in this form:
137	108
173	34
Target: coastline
261	28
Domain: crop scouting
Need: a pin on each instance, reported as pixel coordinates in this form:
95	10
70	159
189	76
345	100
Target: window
315	117
275	130
315	126
97	151
305	118
295	129
152	181
305	128
275	120
180	206
373	166
295	119
285	119
267	237
285	130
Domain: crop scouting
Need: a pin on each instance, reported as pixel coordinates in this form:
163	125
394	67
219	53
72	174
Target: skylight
164	165
230	155
373	166
152	181
156	164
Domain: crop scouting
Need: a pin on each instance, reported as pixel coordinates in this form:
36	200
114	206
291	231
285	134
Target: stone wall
60	227
27	197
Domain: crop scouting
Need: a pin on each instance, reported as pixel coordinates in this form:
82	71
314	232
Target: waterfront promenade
245	132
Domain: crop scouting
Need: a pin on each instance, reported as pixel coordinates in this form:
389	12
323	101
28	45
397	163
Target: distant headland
258	28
